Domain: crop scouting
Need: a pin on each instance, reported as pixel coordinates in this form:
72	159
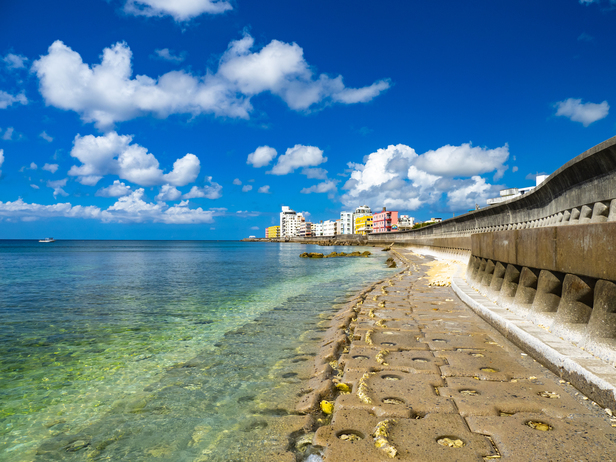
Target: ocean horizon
166	350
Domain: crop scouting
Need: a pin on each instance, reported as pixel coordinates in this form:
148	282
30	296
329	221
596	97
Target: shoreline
324	382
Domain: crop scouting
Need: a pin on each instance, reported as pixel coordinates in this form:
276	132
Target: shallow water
165	350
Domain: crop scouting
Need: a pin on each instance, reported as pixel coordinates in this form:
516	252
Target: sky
199	119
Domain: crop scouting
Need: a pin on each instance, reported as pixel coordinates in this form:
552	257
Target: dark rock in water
391	263
366	254
354	254
311	255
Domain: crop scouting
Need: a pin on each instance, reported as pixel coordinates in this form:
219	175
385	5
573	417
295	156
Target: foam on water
166	350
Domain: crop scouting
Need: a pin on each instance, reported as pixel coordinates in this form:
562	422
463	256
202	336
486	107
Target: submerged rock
391	263
311	255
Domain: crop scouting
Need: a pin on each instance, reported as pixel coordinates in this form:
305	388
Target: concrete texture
419	376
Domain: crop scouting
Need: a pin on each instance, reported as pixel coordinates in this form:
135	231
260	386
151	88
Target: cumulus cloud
296	157
128	209
315	173
1	159
34	186
246	188
168	193
8	134
117	189
397	177
53	168
33	166
113	154
264	189
107	93
13	61
464	160
262	156
180	10
585	113
46	137
6	99
57	187
237	182
210	191
167	55
320	188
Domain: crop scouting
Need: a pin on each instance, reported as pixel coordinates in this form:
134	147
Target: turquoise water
159	350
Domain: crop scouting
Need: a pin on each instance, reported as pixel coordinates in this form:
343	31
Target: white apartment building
331	228
290	222
317	229
405	222
346	222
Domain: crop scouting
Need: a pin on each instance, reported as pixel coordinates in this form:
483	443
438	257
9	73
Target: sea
162	350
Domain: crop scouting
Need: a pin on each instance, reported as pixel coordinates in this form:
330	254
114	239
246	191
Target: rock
303	255
391	263
366	254
354	254
315	255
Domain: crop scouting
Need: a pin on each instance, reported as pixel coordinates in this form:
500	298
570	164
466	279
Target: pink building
382	222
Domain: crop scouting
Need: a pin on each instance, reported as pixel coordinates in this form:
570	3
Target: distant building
363	224
272	232
290	222
305	229
512	193
317	229
331	228
405	222
435	220
346	221
384	221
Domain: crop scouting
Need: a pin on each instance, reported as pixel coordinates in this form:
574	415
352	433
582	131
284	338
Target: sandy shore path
408	372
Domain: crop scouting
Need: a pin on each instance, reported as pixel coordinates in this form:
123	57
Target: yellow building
363	225
272	232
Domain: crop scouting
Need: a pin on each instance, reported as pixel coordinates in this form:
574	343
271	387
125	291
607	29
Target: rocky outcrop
335	254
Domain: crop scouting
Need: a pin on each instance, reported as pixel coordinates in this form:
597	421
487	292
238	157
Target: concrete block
600	212
577	438
602	323
509	286
496	282
527	288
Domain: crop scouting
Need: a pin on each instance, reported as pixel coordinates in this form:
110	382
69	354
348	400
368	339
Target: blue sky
198	119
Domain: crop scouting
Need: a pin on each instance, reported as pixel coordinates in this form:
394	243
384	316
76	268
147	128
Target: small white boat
48	239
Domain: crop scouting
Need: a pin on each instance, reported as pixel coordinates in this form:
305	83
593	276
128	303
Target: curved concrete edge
593	377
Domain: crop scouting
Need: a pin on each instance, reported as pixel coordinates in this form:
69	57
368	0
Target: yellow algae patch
369	337
362	388
381	438
539	426
375	298
380	323
371	313
343	388
380	358
452	443
549	394
327	407
440	273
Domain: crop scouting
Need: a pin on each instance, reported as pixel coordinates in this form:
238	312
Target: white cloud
296	157
114	154
168	193
167	55
6	99
180	10
262	156
585	113
211	191
315	173
46	137
131	208
467	193
57	187
13	61
514	169
264	189
33	166
34	186
320	188
237	182
464	160
50	167
1	159
8	134
106	93
399	178
254	227
246	188
117	189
